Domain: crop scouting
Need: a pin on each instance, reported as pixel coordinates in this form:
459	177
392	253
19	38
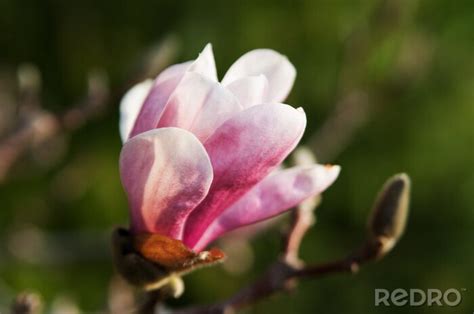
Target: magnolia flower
201	157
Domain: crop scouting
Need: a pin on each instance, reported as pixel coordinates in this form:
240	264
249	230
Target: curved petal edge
166	174
276	67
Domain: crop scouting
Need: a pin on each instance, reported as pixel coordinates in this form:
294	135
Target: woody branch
385	226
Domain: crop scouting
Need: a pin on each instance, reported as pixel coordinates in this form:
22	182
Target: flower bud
389	214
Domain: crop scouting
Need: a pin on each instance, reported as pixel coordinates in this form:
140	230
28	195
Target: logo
418	297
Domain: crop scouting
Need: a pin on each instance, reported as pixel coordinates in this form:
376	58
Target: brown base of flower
153	261
172	254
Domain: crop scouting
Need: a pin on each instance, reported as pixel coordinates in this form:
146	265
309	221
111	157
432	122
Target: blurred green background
388	86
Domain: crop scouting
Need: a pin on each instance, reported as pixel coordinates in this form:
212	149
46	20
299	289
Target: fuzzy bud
389	214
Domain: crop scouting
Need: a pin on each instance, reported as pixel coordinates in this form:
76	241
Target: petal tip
332	172
208	50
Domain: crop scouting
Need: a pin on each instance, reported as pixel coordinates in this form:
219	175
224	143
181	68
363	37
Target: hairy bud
389	214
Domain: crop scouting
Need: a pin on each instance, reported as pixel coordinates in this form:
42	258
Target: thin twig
387	222
40	126
280	277
303	219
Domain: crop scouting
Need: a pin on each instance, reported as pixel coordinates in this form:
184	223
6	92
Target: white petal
173	71
199	105
205	64
279	72
130	106
250	90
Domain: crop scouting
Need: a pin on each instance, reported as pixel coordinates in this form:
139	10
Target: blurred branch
280	277
40	125
37	126
303	219
303	216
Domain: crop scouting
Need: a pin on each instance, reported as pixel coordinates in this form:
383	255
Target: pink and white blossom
201	157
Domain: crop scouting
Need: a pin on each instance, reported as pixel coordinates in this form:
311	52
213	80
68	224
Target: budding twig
391	202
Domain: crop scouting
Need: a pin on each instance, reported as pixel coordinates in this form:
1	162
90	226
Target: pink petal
199	105
166	83
175	70
166	174
130	107
274	195
250	90
156	100
205	64
243	151
279	72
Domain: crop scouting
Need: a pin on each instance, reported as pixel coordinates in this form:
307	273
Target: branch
37	125
40	126
281	277
386	225
303	216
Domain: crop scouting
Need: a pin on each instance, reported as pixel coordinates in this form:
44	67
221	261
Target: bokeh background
388	86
